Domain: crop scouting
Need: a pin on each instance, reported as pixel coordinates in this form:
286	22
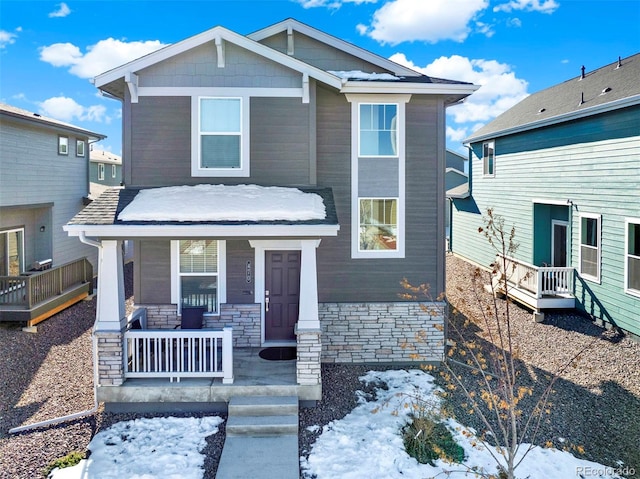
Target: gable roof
36	118
407	81
608	88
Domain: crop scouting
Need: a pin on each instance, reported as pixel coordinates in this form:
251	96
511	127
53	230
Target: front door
559	244
281	294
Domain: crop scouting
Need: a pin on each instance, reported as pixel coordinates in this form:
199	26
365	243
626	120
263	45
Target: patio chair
192	317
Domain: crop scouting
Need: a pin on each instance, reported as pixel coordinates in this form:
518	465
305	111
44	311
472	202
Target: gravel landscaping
596	405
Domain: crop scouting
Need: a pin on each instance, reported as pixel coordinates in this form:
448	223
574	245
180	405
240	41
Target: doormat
278	354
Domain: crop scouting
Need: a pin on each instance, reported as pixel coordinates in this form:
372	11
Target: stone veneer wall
382	332
243	318
110	360
309	350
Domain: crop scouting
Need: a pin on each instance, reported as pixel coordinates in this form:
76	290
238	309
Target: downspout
94	350
450	245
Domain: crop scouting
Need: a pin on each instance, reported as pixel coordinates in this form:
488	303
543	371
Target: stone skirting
382	332
110	365
308	369
243	318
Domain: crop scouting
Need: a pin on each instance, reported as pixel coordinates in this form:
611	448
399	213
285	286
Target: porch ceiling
100	219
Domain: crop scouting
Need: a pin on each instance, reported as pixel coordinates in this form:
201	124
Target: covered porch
536	287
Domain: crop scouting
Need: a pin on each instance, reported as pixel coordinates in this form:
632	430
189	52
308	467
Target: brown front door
282	294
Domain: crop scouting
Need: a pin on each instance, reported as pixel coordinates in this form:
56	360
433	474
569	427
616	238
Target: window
63	145
221	144
198	274
590	248
101	171
114	171
79	147
378	134
11	252
632	260
488	158
378	219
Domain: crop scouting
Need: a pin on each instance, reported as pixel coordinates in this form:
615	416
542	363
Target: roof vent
36	114
619	63
542	110
582	72
581	99
606	90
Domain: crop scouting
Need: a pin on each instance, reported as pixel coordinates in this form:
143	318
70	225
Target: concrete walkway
268	457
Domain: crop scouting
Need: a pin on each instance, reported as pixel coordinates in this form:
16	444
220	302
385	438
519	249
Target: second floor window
378	129
79	147
488	158
63	145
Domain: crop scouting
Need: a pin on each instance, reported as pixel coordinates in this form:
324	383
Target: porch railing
175	354
538	280
32	288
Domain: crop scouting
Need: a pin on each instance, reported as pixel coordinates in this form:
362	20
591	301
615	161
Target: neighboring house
456	184
43	183
563	166
320	185
105	170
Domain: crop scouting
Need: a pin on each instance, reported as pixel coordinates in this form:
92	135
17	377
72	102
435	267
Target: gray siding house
44	180
563	166
221	131
105	170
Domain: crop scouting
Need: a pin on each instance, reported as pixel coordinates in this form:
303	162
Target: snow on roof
224	203
360	75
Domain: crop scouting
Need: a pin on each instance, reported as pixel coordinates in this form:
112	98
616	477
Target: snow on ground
368	442
224	203
166	447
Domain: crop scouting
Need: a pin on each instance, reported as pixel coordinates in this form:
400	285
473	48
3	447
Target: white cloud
99	58
546	6
499	90
67	109
8	38
430	21
457	134
61	12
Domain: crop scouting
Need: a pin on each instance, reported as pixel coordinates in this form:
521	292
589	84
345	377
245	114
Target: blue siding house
563	167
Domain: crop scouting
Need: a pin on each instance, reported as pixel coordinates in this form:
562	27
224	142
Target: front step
262	416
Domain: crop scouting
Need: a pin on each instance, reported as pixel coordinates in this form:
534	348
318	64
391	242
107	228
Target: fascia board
194	231
334	42
210	35
554	120
404	87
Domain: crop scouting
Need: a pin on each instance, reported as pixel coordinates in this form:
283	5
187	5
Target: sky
346	448
49	50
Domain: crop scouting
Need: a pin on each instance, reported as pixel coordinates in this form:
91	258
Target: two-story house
44	181
563	167
105	170
286	182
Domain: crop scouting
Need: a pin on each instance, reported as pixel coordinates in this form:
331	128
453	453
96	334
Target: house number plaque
249	275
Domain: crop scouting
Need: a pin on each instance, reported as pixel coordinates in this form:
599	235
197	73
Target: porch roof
100	219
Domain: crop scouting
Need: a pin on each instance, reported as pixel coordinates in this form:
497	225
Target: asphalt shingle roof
605	85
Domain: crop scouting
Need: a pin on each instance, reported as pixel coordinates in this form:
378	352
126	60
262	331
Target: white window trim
598	218
567	241
627	222
484	163
245	141
114	171
101	171
21	259
222	275
355	100
63	146
79	147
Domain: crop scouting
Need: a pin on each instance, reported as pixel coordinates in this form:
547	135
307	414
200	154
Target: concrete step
260	457
263	405
259	426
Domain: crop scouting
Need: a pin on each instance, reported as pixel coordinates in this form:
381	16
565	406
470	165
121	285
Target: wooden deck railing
34	288
538	280
175	354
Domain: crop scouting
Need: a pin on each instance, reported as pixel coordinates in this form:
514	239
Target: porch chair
192	317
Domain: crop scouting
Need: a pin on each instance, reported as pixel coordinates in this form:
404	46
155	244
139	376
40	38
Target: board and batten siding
599	177
32	174
343	279
161	143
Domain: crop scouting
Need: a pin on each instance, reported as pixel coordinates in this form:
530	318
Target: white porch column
308	315
110	308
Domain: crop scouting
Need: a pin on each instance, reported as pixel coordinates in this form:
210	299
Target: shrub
428	440
69	460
